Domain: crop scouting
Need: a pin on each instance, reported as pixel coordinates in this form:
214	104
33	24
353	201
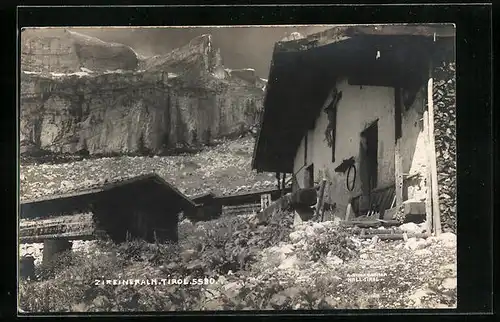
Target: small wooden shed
144	207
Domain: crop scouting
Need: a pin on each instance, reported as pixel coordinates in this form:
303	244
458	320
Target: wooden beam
319	205
86	235
432	150
398	163
370	223
375	231
428	199
393	236
398	171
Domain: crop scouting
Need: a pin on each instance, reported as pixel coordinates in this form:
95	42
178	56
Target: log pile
445	138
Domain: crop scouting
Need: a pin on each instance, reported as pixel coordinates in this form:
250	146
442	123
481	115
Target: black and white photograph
237	168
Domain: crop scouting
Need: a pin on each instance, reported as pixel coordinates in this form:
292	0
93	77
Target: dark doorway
309	177
368	156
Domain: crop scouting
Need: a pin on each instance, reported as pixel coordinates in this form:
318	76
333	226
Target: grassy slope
221	169
257	267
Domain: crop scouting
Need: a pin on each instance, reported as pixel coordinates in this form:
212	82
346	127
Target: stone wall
445	137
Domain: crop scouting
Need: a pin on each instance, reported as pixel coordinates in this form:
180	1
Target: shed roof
303	72
202	198
168	190
248	197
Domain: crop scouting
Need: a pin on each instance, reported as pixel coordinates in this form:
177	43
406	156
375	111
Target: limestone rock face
61	50
150	105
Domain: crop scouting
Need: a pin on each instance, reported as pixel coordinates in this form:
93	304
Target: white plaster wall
358	108
413	149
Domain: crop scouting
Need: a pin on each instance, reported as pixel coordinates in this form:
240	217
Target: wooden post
398	164
348	213
265	201
283	184
319	204
434	183
323	206
27	267
398	176
428	199
53	247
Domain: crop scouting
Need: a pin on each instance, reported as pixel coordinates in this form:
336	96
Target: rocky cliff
61	50
78	101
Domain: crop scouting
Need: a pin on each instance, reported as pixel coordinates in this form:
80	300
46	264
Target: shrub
156	253
335	241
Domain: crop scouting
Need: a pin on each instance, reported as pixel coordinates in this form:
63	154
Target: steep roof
303	71
167	190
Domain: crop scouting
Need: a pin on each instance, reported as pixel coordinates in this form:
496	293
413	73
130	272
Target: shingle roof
108	185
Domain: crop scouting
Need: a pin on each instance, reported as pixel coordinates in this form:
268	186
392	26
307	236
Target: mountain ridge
82	102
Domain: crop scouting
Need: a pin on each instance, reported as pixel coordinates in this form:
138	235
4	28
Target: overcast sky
241	47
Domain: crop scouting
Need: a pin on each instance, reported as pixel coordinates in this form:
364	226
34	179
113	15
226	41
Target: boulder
411	228
297	236
278	301
290	262
414	243
232	289
449	283
448	239
188	255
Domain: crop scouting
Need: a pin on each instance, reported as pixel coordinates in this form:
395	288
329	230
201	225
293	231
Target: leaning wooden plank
398	176
428	199
393	236
434	181
319	205
323	206
370	223
302	197
393	201
348	213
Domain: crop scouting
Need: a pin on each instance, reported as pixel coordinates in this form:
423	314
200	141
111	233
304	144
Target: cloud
241	47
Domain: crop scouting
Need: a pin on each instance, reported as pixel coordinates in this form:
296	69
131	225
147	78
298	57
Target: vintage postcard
237	168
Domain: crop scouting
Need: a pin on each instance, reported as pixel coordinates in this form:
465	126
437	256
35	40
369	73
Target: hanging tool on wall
349	166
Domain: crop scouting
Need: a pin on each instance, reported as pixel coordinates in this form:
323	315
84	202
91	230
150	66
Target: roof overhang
304	71
162	191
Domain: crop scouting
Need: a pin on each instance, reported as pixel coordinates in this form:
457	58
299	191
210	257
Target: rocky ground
274	266
221	169
310	266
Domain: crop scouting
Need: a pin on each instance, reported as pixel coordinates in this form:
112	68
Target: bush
205	249
59	262
336	241
156	253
